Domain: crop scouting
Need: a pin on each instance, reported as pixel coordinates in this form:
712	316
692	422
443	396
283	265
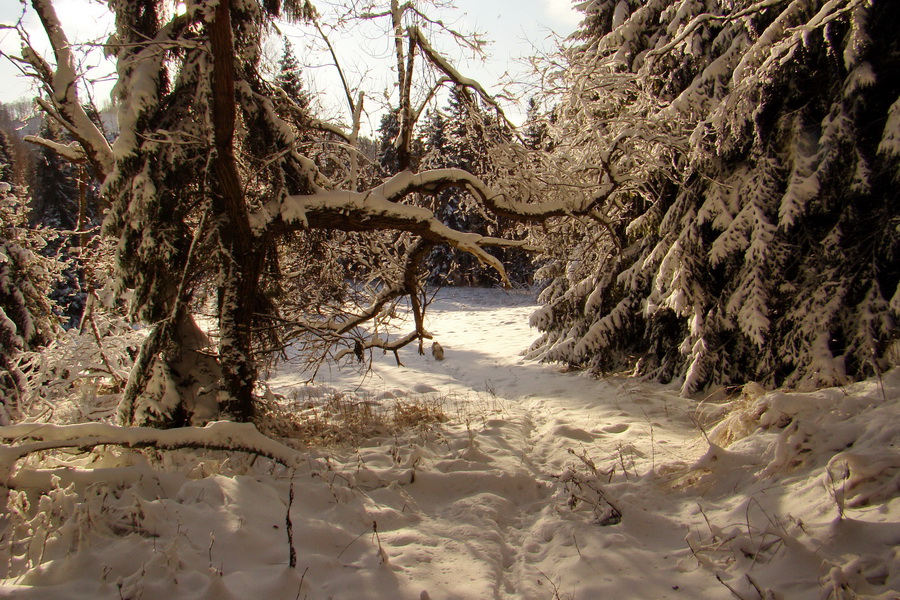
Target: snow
540	483
890	139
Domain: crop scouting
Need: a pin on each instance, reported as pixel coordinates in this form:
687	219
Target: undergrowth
311	417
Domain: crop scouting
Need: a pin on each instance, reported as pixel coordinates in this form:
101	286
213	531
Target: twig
708	524
575	539
730	589
353	541
381	553
755	586
89	316
292	553
556	592
302	578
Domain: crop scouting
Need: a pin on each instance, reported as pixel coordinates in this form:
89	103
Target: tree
207	180
446	204
26	316
388	155
752	233
467	137
66	200
6	158
535	131
289	78
54	184
15	152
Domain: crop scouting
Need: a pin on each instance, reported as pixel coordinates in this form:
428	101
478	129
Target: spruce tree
54	184
751	232
64	198
27	320
457	141
442	263
289	77
535	135
388	130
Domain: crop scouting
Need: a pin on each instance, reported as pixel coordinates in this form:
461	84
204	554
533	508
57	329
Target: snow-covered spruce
26	277
755	231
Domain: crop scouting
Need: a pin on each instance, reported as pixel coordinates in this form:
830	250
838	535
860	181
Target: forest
641	342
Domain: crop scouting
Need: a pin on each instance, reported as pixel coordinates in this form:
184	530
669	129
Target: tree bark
243	254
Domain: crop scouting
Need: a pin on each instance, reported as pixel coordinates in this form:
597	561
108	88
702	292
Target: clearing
538	484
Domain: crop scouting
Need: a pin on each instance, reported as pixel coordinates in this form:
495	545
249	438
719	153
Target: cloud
562	12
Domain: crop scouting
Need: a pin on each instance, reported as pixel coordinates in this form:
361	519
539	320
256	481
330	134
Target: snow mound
850	433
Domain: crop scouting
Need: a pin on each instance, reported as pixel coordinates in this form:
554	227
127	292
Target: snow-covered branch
379	208
62	86
72	152
28	438
689	29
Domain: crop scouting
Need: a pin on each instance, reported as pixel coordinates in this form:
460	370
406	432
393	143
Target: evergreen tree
13	119
443	265
289	77
388	130
472	140
536	130
54	185
457	141
6	158
751	231
26	316
601	17
63	199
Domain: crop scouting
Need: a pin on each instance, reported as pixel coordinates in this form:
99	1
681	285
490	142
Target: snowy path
492	522
512	498
505	501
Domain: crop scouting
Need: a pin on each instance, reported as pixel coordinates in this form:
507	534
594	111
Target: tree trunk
242	253
174	381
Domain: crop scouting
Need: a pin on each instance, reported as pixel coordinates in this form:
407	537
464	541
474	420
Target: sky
514	28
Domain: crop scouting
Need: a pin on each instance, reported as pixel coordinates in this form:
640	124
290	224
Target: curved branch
702	18
337	65
64	93
72	152
379	209
219	435
444	66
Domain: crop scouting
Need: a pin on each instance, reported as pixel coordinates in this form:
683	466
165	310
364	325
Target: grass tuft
313	417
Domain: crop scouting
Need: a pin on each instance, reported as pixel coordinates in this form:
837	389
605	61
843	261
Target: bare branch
347	91
443	65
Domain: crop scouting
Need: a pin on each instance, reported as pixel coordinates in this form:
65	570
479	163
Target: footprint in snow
573	433
617	428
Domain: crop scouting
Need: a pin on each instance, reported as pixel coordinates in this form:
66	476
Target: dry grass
310	417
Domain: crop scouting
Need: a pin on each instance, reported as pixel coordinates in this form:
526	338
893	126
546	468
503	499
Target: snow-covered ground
540	484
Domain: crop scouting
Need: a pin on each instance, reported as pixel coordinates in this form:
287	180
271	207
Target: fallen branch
221	435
